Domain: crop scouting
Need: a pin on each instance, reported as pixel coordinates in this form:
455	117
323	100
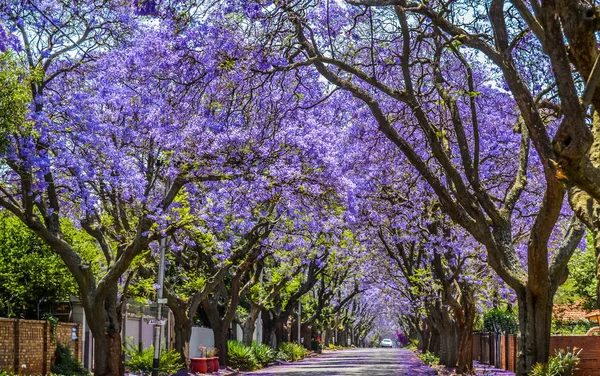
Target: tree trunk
248	333
281	334
107	352
249	325
183	332
464	364
107	355
105	324
268	329
433	343
220	337
448	343
596	232
535	320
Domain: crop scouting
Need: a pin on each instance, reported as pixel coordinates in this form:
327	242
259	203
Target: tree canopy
382	164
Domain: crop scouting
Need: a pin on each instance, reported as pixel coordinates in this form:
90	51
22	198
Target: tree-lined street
375	362
299	175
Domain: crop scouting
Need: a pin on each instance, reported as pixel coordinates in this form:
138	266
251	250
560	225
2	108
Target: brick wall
590	355
511	352
31	343
483	351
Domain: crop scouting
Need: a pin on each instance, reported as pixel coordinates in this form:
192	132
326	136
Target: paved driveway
371	362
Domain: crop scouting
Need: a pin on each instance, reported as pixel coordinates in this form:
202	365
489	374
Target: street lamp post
158	325
299	322
159	300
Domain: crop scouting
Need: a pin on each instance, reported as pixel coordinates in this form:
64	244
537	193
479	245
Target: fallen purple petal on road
372	362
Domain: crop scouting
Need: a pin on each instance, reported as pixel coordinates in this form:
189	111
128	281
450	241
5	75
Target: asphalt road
372	362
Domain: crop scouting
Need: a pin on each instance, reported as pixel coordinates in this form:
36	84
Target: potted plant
200	365
211	354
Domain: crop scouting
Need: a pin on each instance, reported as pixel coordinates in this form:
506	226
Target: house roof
593	315
572	312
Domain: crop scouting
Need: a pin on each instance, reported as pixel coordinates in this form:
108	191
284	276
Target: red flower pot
215	361
199	365
210	365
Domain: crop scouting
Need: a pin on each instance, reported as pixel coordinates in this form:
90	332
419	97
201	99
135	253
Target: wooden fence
501	351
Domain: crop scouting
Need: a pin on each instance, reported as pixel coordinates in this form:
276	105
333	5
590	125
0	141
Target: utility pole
299	322
161	280
259	332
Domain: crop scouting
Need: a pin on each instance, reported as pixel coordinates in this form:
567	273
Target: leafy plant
263	354
580	287
65	363
429	358
53	321
141	361
31	274
413	345
211	352
571	326
241	356
500	321
564	363
291	352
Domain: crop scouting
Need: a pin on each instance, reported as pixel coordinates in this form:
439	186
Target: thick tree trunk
281	332
183	332
104	319
464	364
107	355
249	325
268	329
248	333
220	337
444	324
596	234
434	341
535	319
448	343
108	352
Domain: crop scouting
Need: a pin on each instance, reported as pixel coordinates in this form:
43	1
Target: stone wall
28	345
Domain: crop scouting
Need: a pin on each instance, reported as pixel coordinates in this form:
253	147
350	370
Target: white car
386	343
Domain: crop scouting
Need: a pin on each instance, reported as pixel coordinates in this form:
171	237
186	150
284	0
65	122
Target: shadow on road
372	362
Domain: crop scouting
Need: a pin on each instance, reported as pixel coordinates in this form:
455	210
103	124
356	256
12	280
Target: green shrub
141	361
413	345
291	352
564	363
429	358
497	320
571	326
65	363
263	354
241	356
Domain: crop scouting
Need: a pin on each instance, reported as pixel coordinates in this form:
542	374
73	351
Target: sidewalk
487	370
480	370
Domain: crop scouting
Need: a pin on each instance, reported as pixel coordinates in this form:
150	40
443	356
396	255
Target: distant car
386	343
